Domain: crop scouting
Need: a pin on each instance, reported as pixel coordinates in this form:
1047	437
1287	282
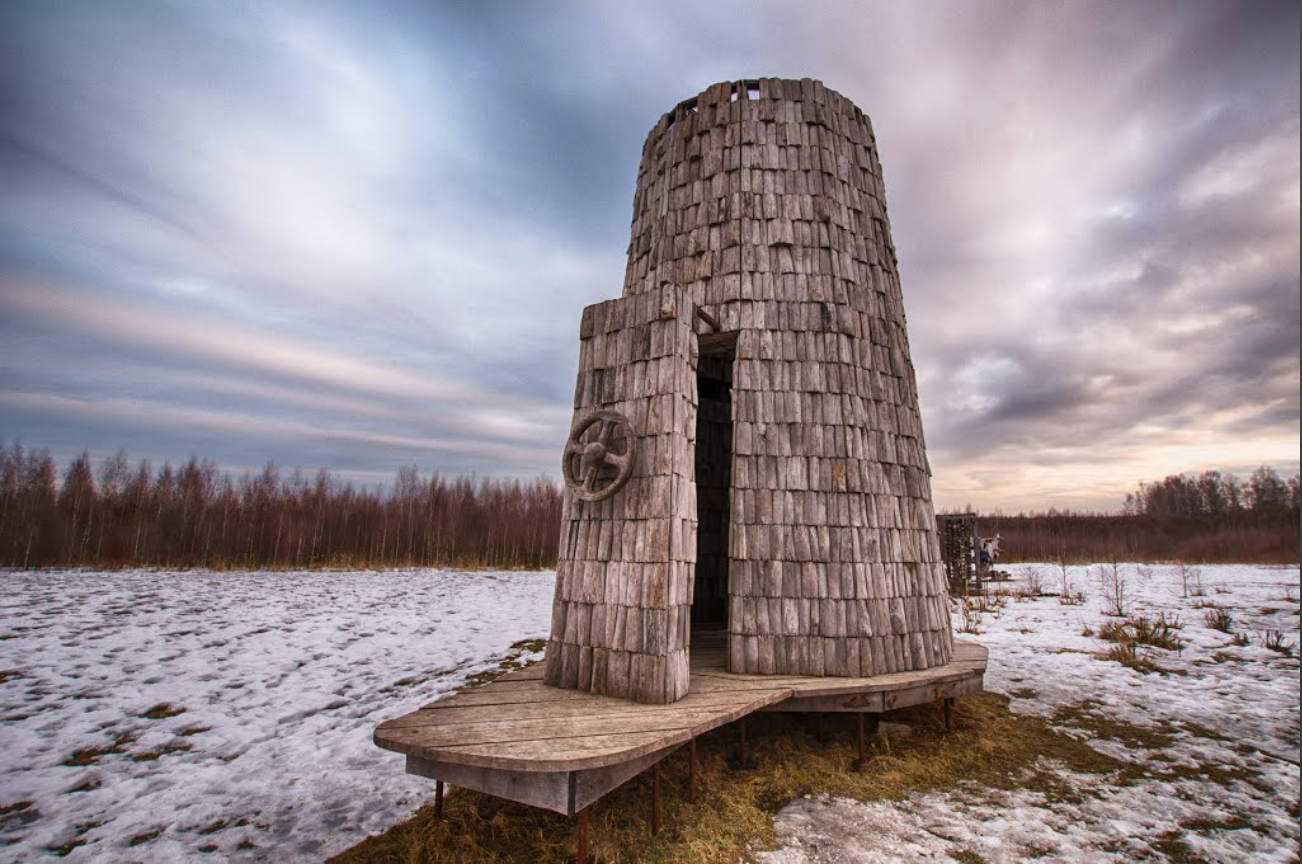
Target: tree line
1204	518
117	515
120	515
1264	494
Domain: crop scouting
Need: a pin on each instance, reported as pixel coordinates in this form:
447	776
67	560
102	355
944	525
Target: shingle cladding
759	213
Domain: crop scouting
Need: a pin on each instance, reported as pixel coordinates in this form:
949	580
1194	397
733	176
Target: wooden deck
519	739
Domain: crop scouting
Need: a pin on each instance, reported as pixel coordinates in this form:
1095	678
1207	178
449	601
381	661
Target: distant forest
119	515
1208	518
197	516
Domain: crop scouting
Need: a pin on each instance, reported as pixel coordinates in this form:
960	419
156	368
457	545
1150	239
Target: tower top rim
756	89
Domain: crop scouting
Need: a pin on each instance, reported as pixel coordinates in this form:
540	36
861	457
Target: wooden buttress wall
622	610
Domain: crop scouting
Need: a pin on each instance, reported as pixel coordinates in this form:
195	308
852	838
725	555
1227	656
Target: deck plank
441	714
559	732
586	753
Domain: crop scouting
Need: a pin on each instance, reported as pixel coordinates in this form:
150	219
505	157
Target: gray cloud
359	236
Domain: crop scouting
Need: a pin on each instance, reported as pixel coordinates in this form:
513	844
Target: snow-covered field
226	715
1230	713
263	689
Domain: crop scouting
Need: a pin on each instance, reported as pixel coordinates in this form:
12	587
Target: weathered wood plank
580	754
564	712
492	694
557	736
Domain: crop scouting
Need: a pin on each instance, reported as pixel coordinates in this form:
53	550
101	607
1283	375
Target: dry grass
734	808
972	607
1219	619
92	755
1275	641
1128	635
1127	654
1160	632
162	711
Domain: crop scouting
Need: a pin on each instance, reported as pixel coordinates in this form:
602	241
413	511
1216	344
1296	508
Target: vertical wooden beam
581	854
655	798
438	800
949	713
859	741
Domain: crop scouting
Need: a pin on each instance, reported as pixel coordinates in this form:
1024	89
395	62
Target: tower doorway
714	430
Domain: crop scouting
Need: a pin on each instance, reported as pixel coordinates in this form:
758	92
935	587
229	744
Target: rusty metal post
691	773
581	854
655	798
868	724
438	800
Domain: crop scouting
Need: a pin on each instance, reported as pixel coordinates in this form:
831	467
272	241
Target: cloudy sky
359	235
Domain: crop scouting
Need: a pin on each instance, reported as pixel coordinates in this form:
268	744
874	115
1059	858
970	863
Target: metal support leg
743	755
655	798
866	732
949	714
438	800
691	774
581	854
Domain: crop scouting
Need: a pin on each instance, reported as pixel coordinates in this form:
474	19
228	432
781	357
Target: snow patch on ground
226	715
1232	708
230	713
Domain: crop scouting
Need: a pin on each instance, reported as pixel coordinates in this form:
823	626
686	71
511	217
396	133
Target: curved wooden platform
562	749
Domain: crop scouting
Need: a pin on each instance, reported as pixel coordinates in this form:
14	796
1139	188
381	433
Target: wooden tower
747	452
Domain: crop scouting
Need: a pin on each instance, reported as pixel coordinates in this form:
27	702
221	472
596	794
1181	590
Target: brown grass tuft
1127	654
1160	632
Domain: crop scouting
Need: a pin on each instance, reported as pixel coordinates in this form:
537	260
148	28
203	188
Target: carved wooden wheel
596	464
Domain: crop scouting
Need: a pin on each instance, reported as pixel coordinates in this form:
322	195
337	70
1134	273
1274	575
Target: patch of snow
275	681
236	707
1232	707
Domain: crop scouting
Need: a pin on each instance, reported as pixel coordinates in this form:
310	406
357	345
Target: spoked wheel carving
599	455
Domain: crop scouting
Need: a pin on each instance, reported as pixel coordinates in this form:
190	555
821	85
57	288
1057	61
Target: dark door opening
713	482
